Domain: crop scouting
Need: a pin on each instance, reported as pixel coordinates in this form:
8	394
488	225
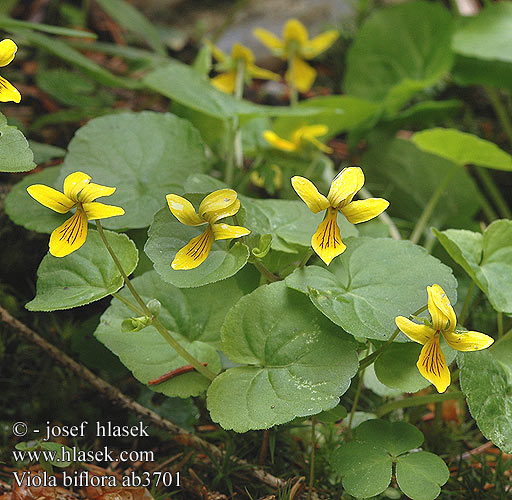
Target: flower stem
156	322
312	459
368	360
383	217
294	95
467	302
506	336
354	404
487	180
239	92
417	401
306	257
265	271
500	111
431	205
500	324
127	303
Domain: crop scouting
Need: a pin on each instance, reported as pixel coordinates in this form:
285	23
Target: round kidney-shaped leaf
299	363
15	153
144	155
371	283
87	275
167	236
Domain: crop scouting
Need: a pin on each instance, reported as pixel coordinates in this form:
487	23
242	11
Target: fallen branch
116	396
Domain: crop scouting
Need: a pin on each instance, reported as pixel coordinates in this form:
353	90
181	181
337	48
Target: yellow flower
79	192
296	47
228	66
259	179
7	52
301	138
217	205
326	242
432	363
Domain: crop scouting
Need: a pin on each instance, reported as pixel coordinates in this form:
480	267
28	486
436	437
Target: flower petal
240	52
183	210
345	185
309	194
326	242
442	302
294	30
300	74
92	191
8	92
268	39
419	333
276	141
225	82
263	74
216	52
74	183
226	232
468	341
432	365
363	210
439	319
194	252
319	44
51	198
219	204
7	51
95	210
70	236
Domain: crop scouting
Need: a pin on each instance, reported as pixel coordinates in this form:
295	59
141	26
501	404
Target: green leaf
372	282
332	416
167	236
145	155
473	71
408	177
365	468
396	366
340	113
7	23
421	475
487	35
194	318
290	222
298	362
385	63
384	443
462	148
27	212
487	259
395	437
183	84
15	153
67	53
45	152
487	383
87	275
72	88
133	20
58	449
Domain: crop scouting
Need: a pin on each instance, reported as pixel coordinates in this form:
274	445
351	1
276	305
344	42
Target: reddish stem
173	373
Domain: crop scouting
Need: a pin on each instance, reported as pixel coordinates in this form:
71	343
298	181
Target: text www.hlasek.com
66	454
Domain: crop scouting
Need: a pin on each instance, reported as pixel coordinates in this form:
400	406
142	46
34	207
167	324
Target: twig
173	373
475	451
116	396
